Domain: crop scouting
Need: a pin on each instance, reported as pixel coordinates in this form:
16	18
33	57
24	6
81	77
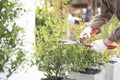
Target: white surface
31	74
80	76
27	22
113	70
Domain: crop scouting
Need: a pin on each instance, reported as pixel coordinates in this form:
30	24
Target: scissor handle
110	47
88	45
94	31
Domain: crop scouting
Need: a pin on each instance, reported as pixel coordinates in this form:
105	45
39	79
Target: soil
112	62
91	71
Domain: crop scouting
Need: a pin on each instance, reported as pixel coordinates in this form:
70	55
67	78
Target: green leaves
82	58
55	58
11	54
49	54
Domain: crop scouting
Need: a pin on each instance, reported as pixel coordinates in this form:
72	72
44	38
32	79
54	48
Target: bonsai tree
11	53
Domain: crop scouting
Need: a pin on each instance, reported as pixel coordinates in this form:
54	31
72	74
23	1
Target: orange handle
110	47
94	31
88	45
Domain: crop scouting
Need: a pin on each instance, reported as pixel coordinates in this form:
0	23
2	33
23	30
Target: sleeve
115	35
102	18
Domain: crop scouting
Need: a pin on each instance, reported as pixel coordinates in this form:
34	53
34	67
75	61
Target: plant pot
3	76
56	78
89	75
90	71
112	69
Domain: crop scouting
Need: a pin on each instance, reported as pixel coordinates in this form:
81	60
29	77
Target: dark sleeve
115	35
102	18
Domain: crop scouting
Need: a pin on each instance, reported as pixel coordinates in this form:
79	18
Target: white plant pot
113	69
82	76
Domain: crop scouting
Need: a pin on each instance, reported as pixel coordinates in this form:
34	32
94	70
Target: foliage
50	55
54	58
81	58
11	53
40	18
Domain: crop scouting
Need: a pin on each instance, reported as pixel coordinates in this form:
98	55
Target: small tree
50	55
11	53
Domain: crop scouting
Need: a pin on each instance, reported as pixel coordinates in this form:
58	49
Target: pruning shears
82	41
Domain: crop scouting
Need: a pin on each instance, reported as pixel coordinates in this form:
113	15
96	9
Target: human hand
86	33
99	46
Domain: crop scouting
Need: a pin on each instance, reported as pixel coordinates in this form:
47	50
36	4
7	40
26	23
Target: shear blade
80	42
72	42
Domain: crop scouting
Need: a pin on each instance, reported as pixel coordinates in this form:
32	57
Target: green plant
11	53
50	55
82	58
54	58
40	18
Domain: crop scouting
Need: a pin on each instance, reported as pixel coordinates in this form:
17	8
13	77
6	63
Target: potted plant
50	55
85	61
11	53
56	59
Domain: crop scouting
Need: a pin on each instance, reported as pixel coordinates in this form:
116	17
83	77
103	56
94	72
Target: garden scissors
110	47
82	41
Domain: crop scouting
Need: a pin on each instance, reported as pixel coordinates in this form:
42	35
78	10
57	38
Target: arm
101	45
114	36
103	17
98	21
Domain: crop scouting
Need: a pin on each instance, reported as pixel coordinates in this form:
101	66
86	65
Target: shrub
50	55
54	58
11	53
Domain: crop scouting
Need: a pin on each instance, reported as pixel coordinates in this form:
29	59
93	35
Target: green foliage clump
81	58
55	58
50	55
11	53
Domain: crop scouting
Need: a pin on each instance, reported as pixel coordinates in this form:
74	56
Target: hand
86	32
99	46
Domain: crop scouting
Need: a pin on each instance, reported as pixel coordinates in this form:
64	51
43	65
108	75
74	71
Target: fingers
86	33
99	46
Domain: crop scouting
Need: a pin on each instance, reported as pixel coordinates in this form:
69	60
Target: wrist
107	42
